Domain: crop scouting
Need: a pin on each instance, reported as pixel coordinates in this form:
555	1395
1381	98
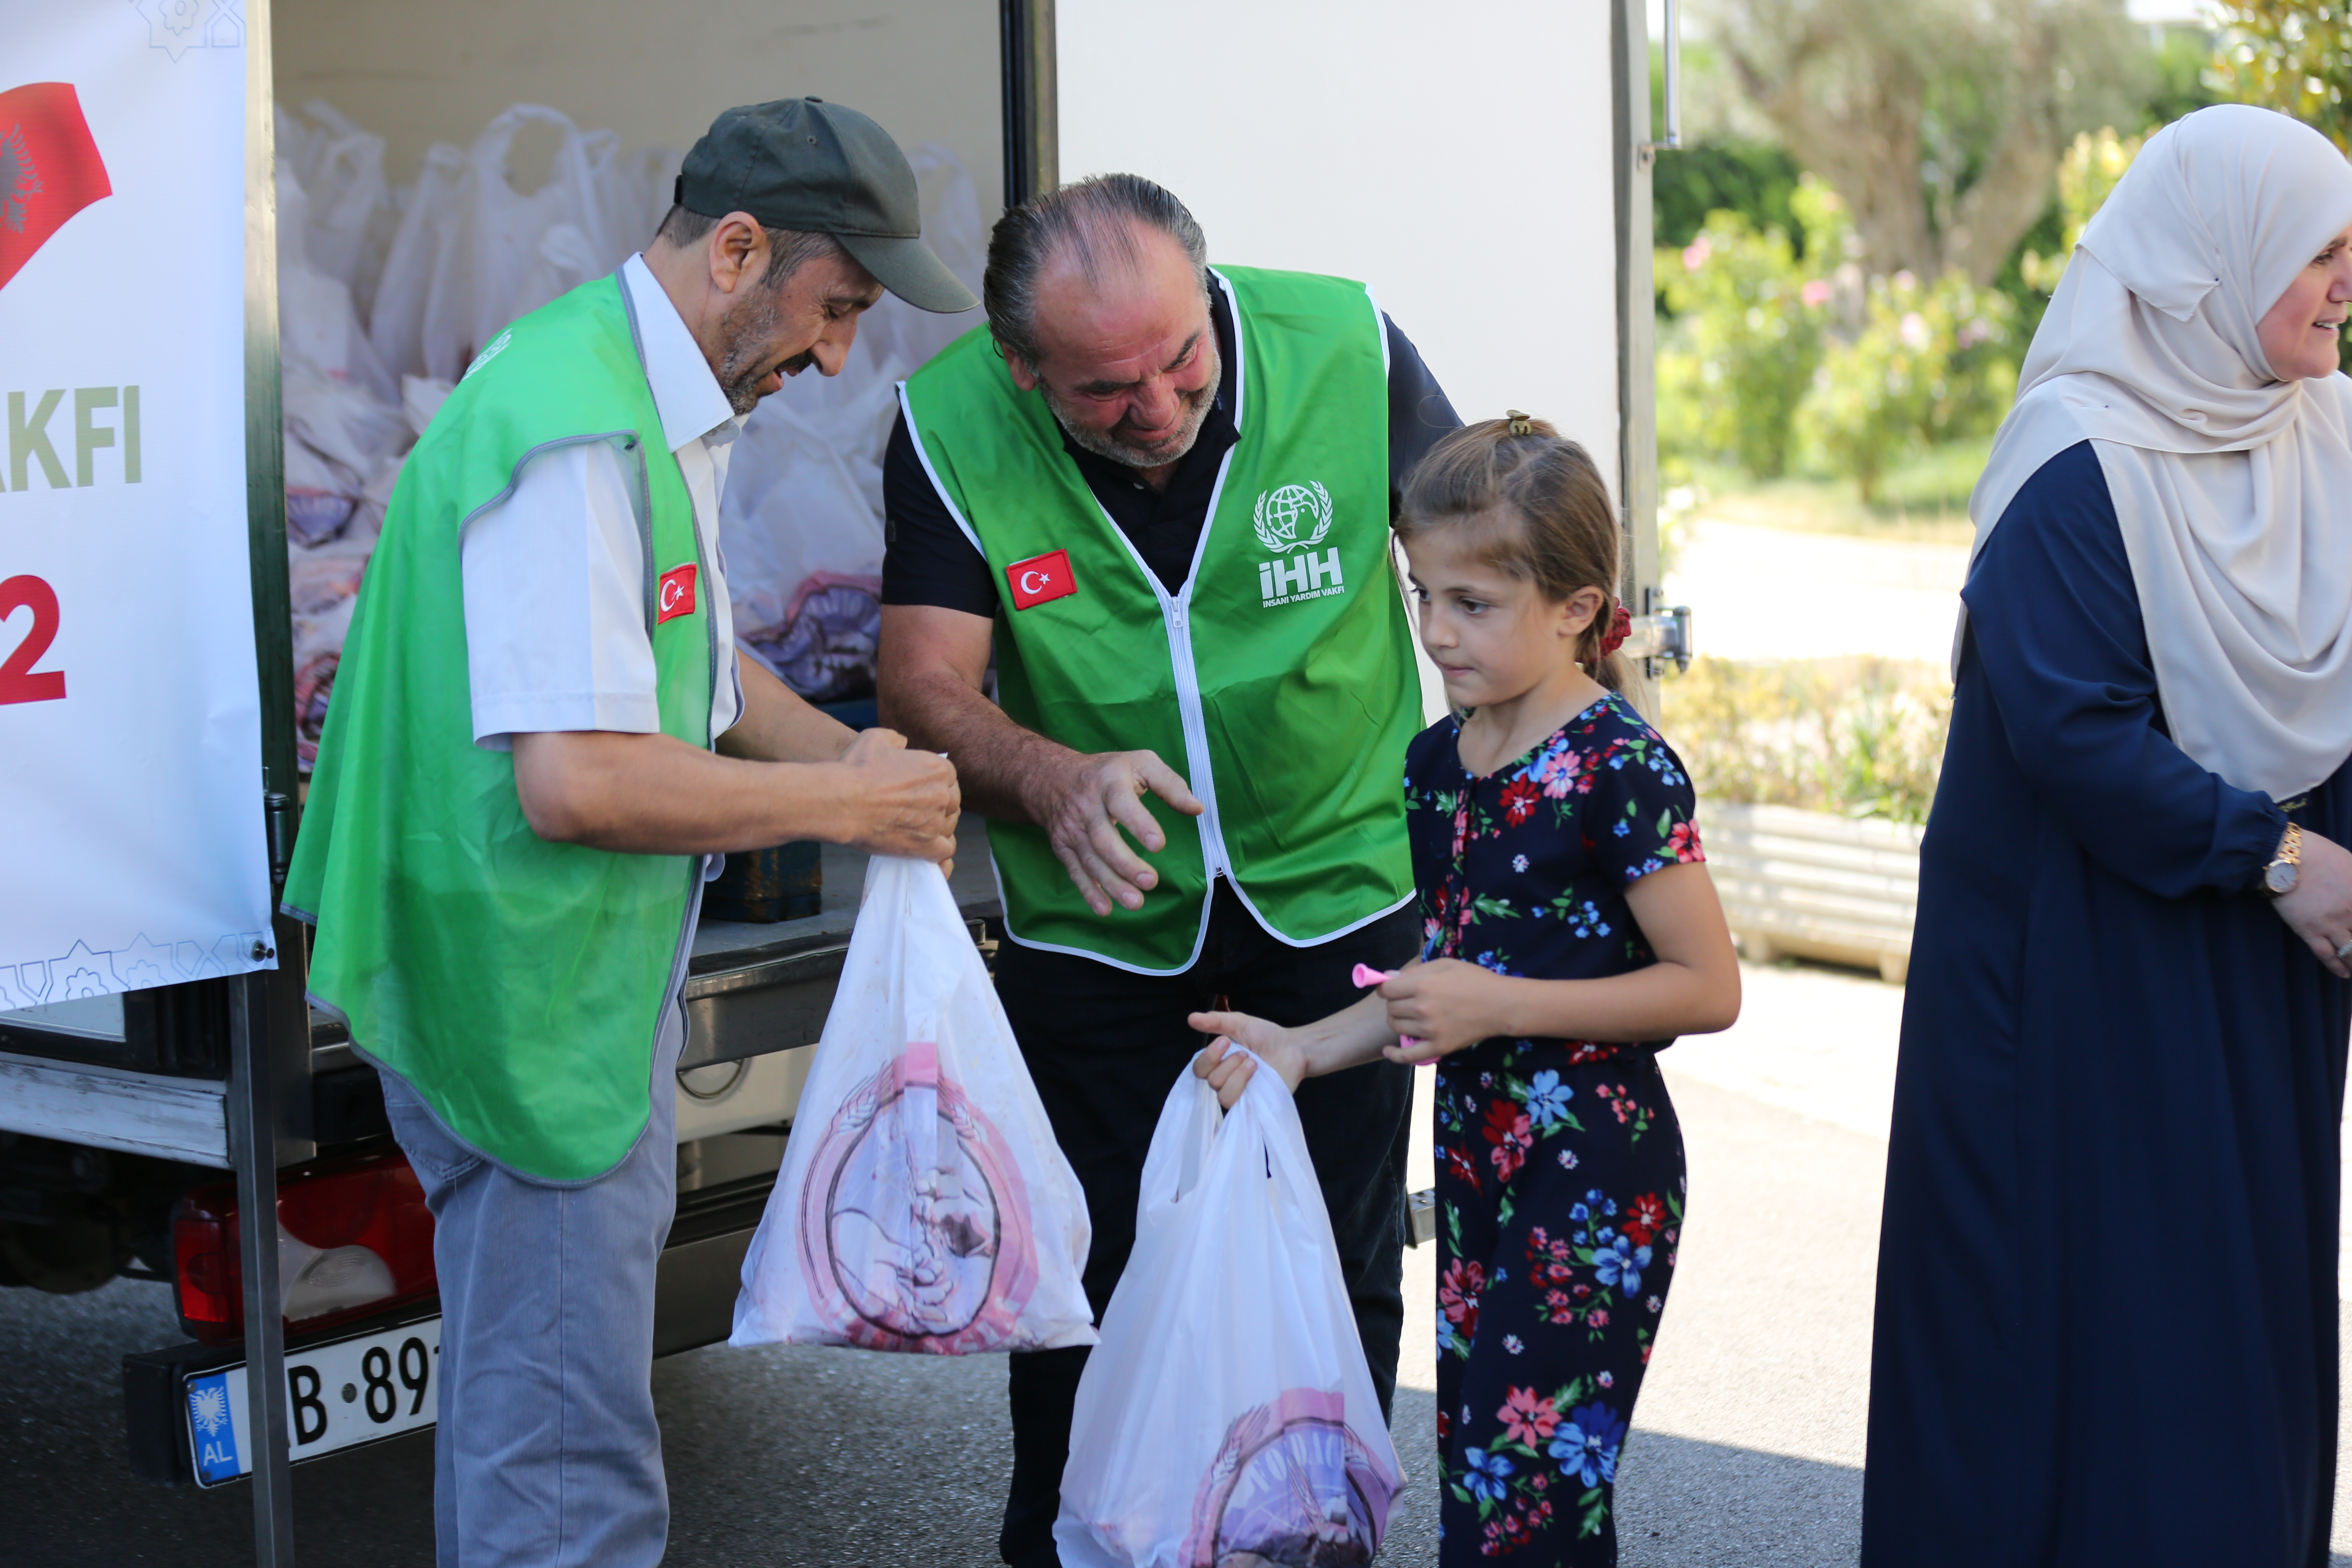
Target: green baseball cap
805	164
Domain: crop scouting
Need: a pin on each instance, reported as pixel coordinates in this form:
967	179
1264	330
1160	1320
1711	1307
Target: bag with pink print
1228	1415
923	1204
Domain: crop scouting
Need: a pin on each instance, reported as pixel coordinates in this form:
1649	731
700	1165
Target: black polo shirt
929	562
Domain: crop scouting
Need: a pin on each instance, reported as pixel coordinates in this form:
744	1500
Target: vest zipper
1173	612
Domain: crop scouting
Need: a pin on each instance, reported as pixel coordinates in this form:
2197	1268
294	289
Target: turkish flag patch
1041	578
50	169
677	594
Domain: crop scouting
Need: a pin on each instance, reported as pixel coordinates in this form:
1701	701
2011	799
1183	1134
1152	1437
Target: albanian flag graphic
50	169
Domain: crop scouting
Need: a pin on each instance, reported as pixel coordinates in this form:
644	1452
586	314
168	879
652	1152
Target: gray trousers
547	1454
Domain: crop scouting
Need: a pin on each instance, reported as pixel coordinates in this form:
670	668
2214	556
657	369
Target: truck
1486	166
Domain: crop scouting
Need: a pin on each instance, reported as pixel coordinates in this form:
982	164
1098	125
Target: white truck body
1481	166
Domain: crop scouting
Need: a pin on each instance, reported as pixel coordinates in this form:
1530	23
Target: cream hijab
2234	489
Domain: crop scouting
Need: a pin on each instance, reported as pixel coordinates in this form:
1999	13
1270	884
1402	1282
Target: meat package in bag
1228	1417
923	1204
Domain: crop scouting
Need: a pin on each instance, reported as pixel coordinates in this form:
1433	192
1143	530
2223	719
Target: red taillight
204	1274
354	1238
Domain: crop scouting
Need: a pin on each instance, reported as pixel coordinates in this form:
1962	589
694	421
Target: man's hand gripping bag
923	1204
1227	1417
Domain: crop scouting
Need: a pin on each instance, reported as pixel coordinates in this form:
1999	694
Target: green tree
2085	174
1754	179
2295	57
1940	121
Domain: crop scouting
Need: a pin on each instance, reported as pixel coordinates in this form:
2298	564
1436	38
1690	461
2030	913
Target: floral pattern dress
1559	1164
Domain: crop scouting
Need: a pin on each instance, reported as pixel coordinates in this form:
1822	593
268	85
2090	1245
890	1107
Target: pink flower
1598	1318
1696	253
1683	841
1816	293
1560	773
1528	1418
1509	1129
1457	1294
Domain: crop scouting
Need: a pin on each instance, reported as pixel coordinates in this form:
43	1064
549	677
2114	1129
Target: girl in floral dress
1572	934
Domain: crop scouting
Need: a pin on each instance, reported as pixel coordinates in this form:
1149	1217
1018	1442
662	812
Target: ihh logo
1303	577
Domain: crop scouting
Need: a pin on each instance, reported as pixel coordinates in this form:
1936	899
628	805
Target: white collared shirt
554	575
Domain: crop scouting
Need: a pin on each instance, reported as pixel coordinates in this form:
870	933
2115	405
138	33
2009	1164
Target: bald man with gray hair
1155	496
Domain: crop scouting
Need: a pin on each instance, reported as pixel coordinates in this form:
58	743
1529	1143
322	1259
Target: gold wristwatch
2281	874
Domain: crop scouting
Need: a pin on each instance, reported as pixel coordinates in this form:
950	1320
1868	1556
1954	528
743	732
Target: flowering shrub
1770	354
1929	365
1748	317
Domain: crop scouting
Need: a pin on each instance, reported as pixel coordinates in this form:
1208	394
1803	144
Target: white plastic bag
1228	1416
472	253
350	221
923	1203
803	535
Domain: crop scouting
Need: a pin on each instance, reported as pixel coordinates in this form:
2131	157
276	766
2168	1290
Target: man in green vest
1160	495
541	741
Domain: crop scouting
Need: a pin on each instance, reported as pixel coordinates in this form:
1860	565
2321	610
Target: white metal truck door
1471	162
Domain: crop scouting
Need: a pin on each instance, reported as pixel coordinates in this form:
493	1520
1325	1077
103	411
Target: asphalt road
1748	1444
786	1456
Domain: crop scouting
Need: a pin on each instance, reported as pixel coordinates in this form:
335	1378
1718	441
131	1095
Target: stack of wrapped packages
385	294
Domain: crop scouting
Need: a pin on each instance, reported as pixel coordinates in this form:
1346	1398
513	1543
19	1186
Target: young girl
1572	934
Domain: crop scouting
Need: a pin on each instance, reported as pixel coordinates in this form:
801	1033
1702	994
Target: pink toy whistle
1365	974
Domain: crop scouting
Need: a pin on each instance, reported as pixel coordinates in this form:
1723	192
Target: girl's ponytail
1559	529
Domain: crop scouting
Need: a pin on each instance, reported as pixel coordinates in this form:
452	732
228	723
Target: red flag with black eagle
50	169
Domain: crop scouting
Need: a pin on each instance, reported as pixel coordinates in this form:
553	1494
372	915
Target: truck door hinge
277	816
1658	633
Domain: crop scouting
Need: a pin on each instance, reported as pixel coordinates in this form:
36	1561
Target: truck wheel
64	1259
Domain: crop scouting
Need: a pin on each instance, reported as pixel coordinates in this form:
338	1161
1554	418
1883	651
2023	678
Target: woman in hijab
2106	1315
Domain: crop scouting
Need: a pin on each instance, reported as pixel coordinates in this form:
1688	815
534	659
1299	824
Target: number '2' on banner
19	681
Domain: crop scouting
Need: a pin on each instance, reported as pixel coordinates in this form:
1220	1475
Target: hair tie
1521	424
1621	626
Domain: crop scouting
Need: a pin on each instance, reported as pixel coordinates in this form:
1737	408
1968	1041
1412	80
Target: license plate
338	1396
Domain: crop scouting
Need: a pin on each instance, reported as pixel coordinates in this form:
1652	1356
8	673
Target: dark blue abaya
2106	1315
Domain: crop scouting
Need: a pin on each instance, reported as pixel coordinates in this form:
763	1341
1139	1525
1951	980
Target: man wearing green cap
541	741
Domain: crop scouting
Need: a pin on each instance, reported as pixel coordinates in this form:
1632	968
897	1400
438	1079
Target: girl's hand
1441	1007
1228	1071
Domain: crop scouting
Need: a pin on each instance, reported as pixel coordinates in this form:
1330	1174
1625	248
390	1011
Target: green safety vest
518	985
1280	680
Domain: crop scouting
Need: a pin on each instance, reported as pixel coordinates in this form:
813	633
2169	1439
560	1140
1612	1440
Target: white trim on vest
915	435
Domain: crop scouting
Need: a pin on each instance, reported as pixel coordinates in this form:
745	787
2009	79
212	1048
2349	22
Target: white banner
131	821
